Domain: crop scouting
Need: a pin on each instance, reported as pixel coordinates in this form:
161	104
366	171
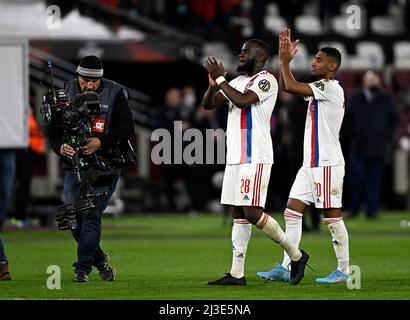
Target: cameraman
117	126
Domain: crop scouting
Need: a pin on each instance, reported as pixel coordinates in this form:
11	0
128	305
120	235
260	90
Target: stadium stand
272	20
129	32
401	51
369	55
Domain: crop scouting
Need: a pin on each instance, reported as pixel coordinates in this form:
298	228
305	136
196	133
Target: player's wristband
219	80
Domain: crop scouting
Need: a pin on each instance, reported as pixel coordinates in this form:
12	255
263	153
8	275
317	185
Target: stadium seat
401	52
339	23
389	24
339	26
273	22
220	51
384	26
369	55
341	47
308	24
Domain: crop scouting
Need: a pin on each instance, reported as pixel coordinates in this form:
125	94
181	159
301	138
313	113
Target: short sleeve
323	90
264	86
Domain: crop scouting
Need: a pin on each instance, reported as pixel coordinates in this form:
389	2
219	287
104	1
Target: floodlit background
156	49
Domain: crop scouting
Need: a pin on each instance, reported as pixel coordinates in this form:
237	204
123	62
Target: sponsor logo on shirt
264	85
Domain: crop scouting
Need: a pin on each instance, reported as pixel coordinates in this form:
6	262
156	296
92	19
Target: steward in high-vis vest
114	125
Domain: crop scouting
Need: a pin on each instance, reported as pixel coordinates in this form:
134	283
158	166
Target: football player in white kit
320	179
251	98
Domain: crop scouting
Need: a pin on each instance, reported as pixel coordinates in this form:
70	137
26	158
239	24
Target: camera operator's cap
90	67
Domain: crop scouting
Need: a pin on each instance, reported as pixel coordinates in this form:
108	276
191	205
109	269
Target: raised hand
214	68
287	48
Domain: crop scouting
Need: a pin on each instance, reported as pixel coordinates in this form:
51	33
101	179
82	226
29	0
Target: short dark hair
333	53
261	45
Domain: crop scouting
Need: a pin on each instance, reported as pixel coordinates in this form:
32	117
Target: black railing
141	104
142	23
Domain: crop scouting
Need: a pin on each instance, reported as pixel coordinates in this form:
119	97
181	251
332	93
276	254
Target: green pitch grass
173	257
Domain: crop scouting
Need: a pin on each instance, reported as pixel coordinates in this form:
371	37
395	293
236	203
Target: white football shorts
246	184
322	186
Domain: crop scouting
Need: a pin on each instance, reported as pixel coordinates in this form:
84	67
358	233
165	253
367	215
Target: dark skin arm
287	50
239	99
212	98
281	82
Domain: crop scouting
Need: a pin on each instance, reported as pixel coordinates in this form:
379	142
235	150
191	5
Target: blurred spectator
198	177
174	174
189	101
7	170
25	158
370	123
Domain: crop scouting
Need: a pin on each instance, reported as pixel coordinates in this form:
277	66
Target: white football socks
273	230
340	241
241	234
293	232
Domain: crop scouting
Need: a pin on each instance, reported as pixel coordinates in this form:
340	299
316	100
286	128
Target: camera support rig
93	173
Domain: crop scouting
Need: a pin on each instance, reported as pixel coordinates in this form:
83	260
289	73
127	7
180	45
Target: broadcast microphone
50	71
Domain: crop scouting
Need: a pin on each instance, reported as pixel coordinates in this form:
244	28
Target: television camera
75	121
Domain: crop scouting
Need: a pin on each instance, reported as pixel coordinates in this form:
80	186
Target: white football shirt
323	121
248	138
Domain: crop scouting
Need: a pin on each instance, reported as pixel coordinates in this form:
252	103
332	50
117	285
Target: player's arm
239	99
287	50
291	85
212	98
281	82
216	72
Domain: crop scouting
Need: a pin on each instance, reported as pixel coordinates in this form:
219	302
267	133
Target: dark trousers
23	184
88	232
7	171
365	179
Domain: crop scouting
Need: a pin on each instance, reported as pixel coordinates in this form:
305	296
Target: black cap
90	67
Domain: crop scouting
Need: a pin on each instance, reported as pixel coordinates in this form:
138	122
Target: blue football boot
278	273
336	276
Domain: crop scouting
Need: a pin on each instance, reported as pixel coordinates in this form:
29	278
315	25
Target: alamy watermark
189	146
355	279
53	17
354	20
54	280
